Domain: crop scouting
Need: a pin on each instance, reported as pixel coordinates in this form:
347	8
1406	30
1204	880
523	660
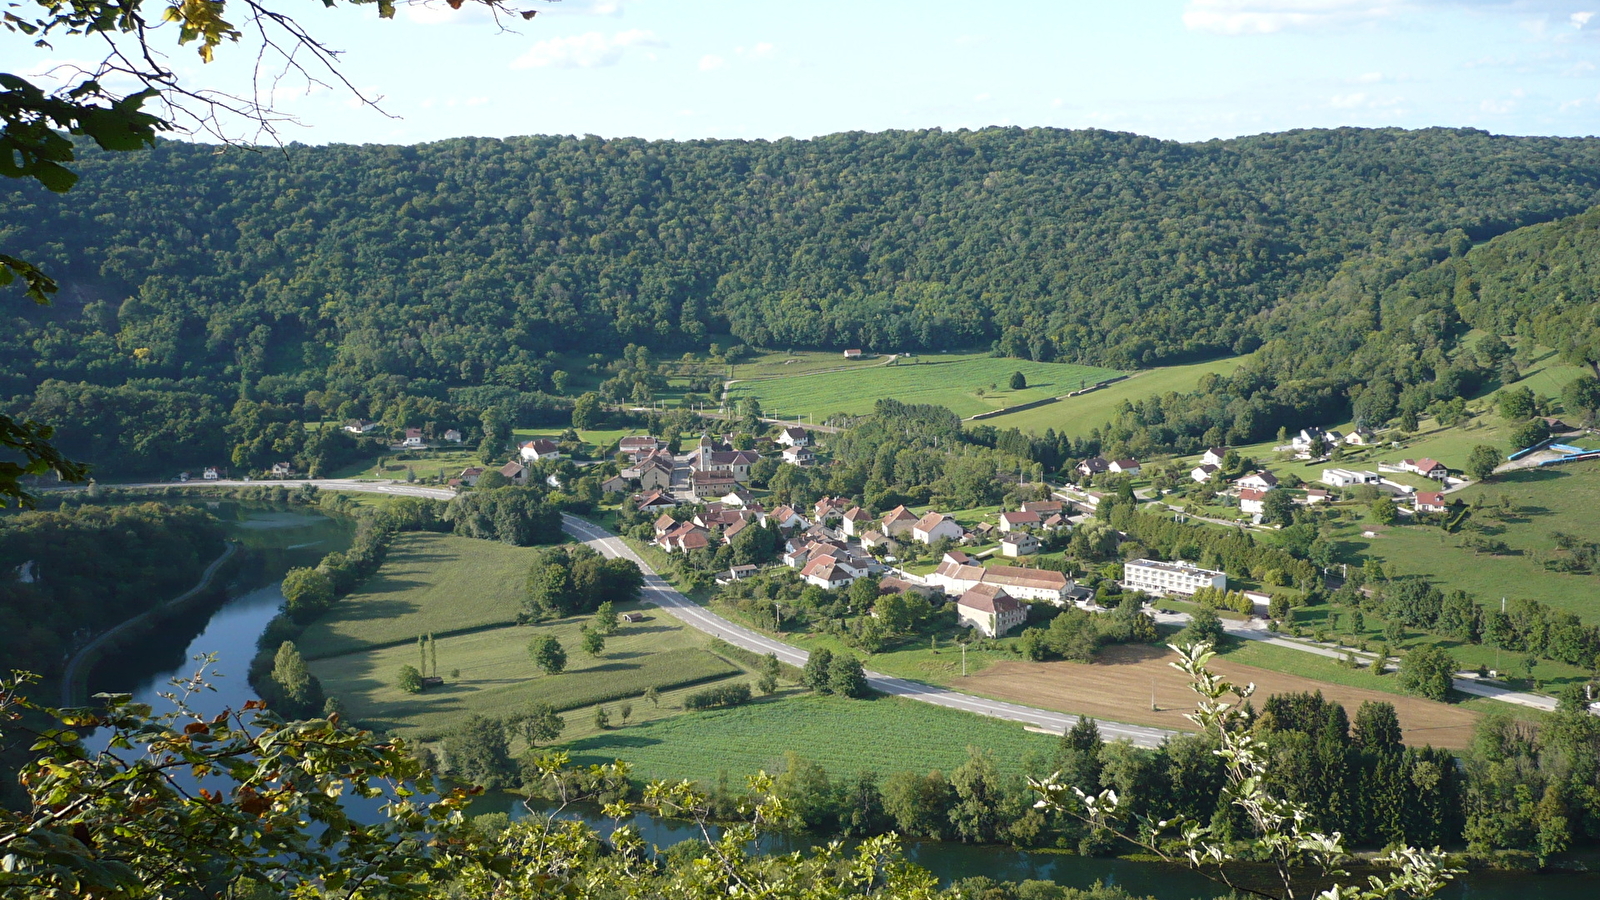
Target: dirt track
1118	686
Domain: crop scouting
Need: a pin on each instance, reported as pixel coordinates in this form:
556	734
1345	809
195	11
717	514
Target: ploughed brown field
1117	686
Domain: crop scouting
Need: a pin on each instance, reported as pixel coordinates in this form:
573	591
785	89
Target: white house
852	354
211	473
1016	521
1156	577
1360	436
799	456
282	469
637	445
360	426
934	526
794	436
539	449
1214	456
1094	465
787	518
1250	500
1125	466
1019	543
1315	496
990	610
857	520
1204	472
515	472
1348	477
452	435
1040	585
1429	501
1258	481
413	438
1427	468
469	476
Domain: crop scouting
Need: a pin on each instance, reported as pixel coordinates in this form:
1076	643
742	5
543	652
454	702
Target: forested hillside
196	276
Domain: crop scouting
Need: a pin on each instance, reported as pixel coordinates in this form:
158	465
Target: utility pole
963	660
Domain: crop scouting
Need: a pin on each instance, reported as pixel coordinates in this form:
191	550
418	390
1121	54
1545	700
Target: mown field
497	678
884	735
430	583
1078	415
951	380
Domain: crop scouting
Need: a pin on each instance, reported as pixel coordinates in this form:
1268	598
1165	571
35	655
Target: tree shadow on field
1129	655
610	667
609	741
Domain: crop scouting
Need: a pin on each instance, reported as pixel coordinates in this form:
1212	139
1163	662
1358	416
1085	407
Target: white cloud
585	51
1369	78
1269	16
711	61
1580	19
1347	101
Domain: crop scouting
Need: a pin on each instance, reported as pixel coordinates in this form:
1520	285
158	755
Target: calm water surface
286	538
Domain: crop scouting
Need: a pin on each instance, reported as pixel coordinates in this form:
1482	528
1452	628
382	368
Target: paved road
76	670
1256	630
657	590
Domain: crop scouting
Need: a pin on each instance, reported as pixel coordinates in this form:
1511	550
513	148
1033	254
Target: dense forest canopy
194	277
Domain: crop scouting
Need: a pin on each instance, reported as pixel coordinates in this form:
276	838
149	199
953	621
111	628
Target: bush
410	680
722	695
1427	672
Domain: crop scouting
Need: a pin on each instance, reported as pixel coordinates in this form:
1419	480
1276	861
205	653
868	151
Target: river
281	539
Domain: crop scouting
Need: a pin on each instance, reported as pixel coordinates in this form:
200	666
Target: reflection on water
283	539
228	624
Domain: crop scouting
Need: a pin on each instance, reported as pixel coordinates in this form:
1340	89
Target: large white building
1156	577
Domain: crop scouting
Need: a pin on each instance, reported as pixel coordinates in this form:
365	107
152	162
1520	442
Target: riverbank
74	679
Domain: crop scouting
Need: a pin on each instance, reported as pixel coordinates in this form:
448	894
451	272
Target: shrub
722	695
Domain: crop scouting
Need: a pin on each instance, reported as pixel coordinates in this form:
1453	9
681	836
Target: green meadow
952	380
429	583
1076	416
885	735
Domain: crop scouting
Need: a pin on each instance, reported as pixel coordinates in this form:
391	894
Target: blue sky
1180	69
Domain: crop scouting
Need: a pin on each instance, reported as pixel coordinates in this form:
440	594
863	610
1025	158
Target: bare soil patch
1118	685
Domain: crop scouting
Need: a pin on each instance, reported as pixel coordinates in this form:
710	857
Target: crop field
496	677
950	380
1078	415
1121	682
884	735
434	583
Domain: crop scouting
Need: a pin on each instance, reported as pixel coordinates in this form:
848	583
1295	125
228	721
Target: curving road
676	604
664	595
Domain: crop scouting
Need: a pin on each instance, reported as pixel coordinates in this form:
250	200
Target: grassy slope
845	736
950	380
1078	415
1556	499
429	583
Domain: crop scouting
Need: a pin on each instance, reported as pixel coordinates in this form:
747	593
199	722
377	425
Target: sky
1188	70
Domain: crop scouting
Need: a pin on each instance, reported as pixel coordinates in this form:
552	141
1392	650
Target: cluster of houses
1096	465
1252	489
414	438
1305	443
